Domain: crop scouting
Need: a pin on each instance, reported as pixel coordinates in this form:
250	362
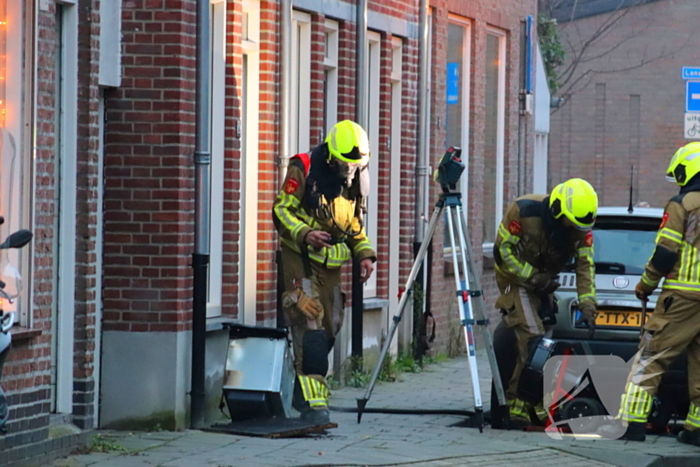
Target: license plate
624	319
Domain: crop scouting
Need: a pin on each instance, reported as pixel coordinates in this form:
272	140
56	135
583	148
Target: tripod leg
465	306
480	315
361	403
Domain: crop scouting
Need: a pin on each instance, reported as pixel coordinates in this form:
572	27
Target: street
381	439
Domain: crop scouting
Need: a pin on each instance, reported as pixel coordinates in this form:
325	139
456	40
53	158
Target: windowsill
374	303
219	323
487	249
21	333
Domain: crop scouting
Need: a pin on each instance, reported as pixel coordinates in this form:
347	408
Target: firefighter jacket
314	200
531	240
676	256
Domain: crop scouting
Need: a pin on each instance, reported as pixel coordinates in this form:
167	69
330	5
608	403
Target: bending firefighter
674	326
539	235
318	214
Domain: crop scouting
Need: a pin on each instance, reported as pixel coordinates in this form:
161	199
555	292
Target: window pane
491	137
455	76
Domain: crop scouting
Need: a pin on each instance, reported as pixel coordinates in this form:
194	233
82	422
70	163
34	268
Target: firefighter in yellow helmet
537	237
674	326
318	214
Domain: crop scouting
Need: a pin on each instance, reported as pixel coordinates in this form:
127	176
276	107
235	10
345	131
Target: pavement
388	439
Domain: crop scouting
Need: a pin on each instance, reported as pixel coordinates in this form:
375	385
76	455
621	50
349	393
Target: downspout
422	160
200	258
422	170
286	86
362	118
285	115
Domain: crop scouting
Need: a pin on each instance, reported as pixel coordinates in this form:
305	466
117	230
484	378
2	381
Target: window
396	167
15	147
301	83
249	168
330	78
457	98
373	104
494	131
457	84
218	121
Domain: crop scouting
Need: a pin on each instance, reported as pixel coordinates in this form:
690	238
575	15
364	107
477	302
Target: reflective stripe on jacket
293	221
524	246
676	257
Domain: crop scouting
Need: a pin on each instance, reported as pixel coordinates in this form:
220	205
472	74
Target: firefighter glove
642	291
588	314
542	283
310	307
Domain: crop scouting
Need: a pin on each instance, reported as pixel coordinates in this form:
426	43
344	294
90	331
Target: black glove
588	314
543	283
642	291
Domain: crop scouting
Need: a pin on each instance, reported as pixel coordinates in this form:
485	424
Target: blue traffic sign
692	96
690	72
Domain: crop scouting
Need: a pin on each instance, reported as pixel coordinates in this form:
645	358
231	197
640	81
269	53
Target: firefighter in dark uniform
674	326
318	214
537	237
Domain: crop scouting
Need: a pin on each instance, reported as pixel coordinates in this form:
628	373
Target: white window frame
500	132
396	168
65	336
300	121
330	70
540	162
248	265
465	88
373	80
218	155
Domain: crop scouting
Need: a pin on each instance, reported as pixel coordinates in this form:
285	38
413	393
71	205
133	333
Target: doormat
272	427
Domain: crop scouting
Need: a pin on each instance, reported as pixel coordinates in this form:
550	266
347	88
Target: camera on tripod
450	170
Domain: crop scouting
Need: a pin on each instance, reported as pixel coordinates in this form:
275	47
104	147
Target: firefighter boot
635	431
689	437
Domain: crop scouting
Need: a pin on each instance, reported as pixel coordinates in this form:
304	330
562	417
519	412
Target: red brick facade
148	212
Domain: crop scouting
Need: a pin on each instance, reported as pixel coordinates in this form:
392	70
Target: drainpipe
422	167
285	115
362	118
286	86
200	258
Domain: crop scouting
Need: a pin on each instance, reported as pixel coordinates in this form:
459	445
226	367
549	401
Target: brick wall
506	16
26	377
268	157
86	226
642	108
149	175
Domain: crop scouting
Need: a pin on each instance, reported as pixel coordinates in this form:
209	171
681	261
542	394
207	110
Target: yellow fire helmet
347	141
577	200
685	164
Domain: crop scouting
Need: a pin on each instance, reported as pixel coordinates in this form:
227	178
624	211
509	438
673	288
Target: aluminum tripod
469	302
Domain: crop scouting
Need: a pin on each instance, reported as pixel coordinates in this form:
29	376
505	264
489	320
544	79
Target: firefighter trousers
520	313
673	328
311	347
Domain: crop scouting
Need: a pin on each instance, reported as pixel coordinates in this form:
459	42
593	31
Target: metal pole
286	87
362	118
200	258
422	169
423	103
361	77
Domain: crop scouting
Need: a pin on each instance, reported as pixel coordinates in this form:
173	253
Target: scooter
16	240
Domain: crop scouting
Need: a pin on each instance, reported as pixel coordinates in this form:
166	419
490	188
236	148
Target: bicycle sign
692	126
